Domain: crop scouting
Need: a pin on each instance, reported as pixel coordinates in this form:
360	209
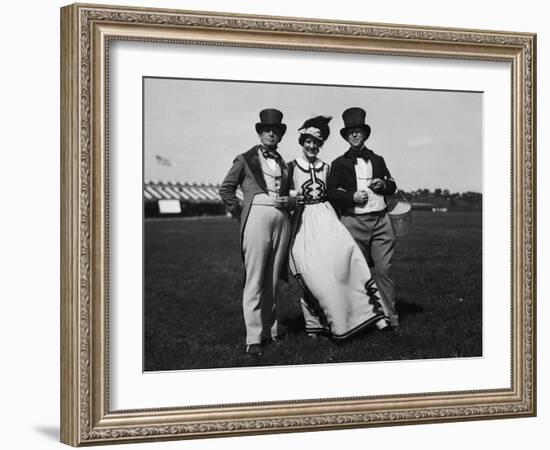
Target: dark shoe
274	340
254	350
318	336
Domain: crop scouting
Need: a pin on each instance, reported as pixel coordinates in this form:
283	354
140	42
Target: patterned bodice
310	180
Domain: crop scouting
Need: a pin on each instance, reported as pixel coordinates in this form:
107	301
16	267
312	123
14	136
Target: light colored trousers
374	235
265	242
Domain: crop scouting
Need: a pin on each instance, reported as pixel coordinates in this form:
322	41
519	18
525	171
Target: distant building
177	199
173	198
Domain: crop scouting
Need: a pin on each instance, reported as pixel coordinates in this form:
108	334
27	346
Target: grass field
193	286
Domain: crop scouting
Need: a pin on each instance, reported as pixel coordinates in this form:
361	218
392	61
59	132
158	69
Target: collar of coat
252	158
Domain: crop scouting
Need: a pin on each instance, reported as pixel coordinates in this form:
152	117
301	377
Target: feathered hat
316	127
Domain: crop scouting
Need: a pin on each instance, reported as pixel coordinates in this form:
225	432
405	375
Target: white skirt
340	296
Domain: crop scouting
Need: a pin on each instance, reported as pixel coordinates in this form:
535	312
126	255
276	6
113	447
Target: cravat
363	153
271	154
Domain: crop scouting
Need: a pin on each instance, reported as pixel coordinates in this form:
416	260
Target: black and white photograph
289	224
144	141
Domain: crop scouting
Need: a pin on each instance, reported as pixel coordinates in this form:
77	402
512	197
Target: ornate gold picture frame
87	33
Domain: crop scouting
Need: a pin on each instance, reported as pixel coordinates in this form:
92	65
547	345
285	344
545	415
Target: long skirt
340	298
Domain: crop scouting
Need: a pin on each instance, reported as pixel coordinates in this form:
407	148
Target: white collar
304	164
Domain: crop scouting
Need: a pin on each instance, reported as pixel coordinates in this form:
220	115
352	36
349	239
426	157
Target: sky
429	139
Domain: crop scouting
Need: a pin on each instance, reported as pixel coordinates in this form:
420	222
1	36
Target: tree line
443	198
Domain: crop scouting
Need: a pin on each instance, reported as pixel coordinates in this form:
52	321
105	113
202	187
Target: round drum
401	217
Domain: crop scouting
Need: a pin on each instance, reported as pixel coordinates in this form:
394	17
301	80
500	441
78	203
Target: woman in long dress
340	297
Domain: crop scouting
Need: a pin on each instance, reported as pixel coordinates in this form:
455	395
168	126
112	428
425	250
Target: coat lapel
349	164
252	159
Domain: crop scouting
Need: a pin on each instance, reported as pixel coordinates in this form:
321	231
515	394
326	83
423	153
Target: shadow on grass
293	324
405	309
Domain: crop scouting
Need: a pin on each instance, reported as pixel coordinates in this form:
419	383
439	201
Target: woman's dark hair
303	137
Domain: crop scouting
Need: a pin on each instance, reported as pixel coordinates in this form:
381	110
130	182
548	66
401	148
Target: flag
162	161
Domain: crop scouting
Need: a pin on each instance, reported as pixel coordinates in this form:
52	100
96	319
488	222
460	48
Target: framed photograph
276	224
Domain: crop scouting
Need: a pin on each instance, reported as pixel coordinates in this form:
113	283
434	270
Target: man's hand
360	197
377	186
235	211
282	202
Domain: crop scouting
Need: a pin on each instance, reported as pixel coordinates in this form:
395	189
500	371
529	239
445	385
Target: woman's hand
282	202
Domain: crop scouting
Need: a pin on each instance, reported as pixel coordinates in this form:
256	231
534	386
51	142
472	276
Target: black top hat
271	118
354	118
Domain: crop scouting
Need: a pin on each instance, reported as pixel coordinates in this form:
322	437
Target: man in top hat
357	185
263	178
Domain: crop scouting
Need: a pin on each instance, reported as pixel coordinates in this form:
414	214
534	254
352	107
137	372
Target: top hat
354	118
317	127
271	118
